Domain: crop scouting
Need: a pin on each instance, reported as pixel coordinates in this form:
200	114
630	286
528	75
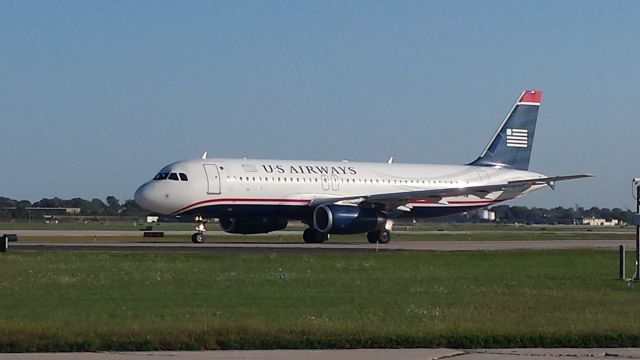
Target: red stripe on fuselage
472	201
455	202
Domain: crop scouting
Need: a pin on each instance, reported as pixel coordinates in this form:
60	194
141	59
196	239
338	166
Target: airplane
251	196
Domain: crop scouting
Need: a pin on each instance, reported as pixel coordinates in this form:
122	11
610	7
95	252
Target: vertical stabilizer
511	145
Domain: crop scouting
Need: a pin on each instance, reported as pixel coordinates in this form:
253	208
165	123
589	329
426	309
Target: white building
593	221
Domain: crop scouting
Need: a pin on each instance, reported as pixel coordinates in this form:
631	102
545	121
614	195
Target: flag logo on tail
517	138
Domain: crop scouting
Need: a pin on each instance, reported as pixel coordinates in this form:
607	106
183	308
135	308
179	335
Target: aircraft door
213	178
325	182
335	186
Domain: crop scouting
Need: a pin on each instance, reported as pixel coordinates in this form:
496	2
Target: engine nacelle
252	225
345	219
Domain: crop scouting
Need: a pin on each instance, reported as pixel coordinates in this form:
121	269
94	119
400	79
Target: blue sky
96	96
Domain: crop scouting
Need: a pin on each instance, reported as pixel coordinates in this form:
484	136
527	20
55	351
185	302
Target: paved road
297	247
360	354
214	233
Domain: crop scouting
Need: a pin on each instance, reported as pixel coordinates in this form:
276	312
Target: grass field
59	301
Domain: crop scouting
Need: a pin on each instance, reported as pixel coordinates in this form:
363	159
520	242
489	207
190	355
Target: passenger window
173	176
183	177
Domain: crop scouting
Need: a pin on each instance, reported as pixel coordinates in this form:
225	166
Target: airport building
593	221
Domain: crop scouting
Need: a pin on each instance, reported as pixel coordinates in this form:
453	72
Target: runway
214	233
302	247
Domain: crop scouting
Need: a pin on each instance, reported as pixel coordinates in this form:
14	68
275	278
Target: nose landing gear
198	237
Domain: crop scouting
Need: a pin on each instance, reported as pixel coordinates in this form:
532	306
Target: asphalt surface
214	233
358	354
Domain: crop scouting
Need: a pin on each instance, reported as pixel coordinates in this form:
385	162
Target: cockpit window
171	176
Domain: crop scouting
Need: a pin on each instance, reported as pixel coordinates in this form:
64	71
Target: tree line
19	209
557	215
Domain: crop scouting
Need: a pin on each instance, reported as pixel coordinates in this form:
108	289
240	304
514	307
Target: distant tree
78	203
97	207
131	208
21	209
113	205
6	202
518	214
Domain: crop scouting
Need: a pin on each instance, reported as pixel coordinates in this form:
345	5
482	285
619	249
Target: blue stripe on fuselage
305	213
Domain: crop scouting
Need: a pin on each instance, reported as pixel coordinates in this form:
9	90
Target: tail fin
511	145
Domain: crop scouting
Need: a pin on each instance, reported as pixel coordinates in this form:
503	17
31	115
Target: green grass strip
99	301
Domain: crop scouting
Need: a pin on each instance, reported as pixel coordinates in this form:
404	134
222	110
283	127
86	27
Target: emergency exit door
213	178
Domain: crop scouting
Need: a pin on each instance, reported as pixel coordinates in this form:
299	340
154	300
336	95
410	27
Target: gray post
637	276
621	262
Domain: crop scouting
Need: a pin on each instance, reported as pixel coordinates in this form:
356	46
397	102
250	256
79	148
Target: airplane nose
143	198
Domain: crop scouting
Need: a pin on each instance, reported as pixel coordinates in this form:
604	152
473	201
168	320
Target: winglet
204	156
531	97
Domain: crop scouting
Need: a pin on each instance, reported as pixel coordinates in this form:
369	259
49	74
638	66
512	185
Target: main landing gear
198	237
379	236
313	236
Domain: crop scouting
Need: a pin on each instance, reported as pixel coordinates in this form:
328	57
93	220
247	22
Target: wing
398	200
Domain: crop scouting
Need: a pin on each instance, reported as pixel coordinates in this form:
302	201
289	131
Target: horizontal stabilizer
551	181
546	180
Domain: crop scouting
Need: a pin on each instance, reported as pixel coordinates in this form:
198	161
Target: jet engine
252	225
346	219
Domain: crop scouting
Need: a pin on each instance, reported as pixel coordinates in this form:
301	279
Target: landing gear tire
313	236
379	236
198	238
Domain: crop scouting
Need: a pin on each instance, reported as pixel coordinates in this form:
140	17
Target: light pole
636	185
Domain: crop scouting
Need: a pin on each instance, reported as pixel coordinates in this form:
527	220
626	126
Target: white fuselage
216	187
